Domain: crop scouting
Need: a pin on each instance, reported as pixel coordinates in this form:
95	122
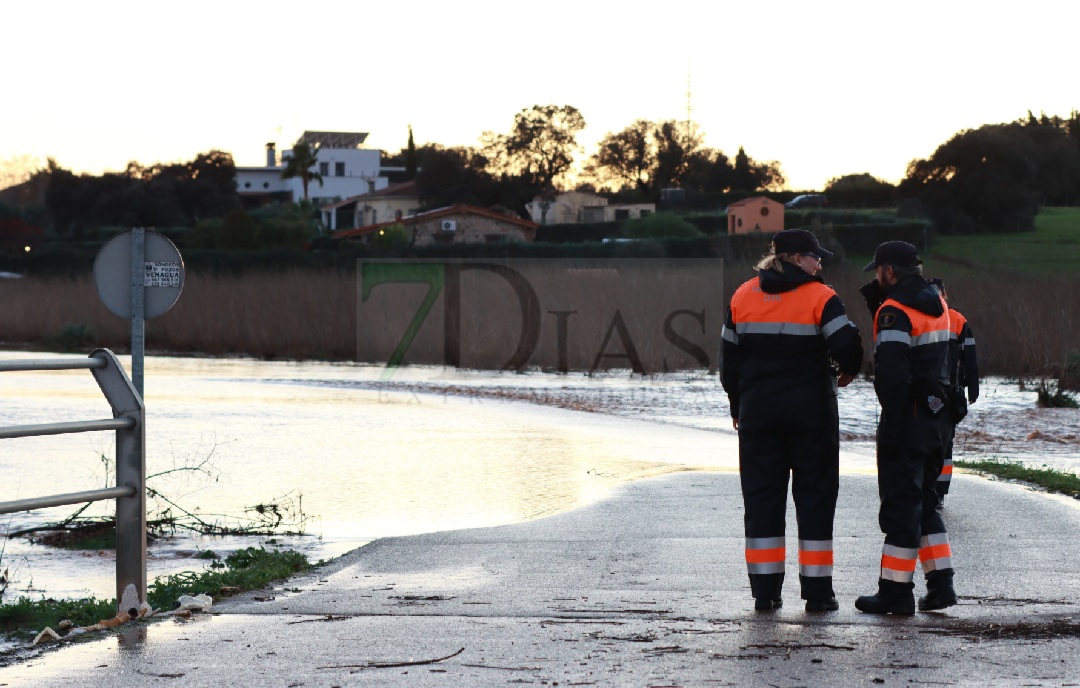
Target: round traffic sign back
162	274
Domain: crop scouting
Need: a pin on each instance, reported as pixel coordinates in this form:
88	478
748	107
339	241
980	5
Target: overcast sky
825	88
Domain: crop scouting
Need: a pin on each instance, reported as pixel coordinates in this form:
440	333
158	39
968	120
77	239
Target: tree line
990	179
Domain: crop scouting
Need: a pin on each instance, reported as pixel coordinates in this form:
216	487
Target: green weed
246	569
25	617
1048	478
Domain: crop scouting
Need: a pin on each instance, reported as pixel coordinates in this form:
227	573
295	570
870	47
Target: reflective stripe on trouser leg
946	471
898	563
765	555
815	558
935	552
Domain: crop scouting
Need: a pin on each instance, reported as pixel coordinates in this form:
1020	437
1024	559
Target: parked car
808	201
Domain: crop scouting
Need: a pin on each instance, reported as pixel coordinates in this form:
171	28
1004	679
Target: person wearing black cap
964	371
911	378
782	334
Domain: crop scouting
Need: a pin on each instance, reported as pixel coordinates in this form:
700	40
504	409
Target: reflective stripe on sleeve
835	324
935	552
729	336
970	341
892	336
898	563
776	328
815	558
932	337
765	555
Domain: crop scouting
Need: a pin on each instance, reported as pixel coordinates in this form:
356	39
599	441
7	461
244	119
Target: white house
576	207
389	204
347	170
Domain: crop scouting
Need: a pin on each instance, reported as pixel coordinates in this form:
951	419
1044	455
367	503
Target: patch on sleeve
886	320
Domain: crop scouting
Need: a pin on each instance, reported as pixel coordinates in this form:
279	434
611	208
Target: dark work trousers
908	470
796	432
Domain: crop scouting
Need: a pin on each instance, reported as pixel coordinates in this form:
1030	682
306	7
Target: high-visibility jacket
779	334
911	352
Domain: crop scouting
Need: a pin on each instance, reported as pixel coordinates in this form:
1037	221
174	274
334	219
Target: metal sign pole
138	306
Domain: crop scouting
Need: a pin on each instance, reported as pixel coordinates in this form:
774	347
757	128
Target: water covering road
429	449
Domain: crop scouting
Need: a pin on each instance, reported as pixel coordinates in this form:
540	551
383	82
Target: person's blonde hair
774	261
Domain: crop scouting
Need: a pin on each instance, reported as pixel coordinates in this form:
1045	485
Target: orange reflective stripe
946	469
933	552
896	563
765	556
819	558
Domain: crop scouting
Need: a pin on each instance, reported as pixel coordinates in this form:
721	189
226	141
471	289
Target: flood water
429	449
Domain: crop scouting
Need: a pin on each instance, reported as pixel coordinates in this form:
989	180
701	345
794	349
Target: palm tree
302	164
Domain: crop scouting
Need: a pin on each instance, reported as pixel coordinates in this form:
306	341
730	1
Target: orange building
756	214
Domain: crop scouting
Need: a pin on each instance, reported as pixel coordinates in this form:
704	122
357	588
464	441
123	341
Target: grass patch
25	617
1052	249
247	569
1048	478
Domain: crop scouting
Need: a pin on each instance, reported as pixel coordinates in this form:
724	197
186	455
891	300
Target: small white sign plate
161	274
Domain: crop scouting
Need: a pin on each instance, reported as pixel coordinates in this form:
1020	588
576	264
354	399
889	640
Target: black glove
973	394
874	296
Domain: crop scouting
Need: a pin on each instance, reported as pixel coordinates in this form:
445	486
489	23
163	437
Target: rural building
451	225
756	214
577	207
347	170
389	204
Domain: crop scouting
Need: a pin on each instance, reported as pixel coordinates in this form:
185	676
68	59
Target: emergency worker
911	378
780	330
964	371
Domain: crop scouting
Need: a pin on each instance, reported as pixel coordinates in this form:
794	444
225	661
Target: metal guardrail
130	492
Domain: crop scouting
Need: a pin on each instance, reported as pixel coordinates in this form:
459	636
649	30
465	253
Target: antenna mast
689	109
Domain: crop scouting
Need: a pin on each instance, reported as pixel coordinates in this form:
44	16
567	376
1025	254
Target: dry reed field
1024	328
650	315
586	315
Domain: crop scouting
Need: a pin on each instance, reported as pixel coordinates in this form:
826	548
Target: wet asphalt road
646	588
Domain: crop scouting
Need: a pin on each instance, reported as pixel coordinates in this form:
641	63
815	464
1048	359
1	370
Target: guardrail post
126	402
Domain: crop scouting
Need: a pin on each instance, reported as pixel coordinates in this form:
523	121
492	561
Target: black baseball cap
899	254
799	241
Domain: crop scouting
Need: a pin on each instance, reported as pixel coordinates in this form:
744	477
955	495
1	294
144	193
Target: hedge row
560	241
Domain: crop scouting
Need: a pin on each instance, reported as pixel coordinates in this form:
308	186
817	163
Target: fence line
128	422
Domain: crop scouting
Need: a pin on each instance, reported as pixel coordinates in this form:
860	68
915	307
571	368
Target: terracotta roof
747	201
448	211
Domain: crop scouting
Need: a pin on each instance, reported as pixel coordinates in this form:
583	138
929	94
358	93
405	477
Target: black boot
891	598
828	604
765	604
939	591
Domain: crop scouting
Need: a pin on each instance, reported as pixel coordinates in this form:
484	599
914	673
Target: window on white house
324	169
339	169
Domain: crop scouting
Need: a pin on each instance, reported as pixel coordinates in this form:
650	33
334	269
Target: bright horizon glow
826	89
